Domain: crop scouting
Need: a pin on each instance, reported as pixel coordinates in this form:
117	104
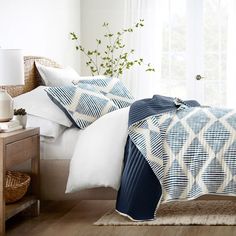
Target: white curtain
231	55
147	43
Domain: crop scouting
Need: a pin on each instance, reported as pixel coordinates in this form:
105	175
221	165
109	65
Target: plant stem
114	59
91	59
111	52
96	59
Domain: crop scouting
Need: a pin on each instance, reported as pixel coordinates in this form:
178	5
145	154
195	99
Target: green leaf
150	70
105	24
73	36
114	60
81	48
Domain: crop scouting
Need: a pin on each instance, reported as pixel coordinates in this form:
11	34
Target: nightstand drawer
20	151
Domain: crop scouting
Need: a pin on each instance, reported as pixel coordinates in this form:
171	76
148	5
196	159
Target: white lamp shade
11	67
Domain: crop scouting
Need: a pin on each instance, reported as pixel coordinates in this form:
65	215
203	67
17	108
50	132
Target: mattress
62	147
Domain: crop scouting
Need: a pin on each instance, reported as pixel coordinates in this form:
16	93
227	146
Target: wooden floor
72	218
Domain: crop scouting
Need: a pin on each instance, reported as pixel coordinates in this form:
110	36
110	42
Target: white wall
93	14
41	28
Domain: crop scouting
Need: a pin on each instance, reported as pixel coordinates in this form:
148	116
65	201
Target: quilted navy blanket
176	151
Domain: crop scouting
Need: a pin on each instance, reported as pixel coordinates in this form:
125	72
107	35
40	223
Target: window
195	43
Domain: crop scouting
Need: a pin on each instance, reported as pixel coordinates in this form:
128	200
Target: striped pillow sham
83	104
112	88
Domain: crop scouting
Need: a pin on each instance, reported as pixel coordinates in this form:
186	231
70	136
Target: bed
54	166
55	160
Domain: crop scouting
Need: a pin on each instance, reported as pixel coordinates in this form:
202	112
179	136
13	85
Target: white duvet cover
62	147
98	154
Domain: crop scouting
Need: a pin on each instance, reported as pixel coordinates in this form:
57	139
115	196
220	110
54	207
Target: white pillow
37	103
99	153
49	130
54	77
74	82
92	77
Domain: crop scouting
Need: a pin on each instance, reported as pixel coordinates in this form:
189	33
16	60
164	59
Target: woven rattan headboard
32	77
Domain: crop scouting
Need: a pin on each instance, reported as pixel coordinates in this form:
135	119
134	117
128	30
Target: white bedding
96	152
98	155
49	130
37	103
62	147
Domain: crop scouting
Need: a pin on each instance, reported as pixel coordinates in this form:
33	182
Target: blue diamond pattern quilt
182	153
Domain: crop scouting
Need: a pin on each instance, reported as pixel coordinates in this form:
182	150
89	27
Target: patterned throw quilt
191	151
179	154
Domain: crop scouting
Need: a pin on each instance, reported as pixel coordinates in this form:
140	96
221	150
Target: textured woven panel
32	77
200	212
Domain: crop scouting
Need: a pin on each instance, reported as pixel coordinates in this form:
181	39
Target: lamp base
6	106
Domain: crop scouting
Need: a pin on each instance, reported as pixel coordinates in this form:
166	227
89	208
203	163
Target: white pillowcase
62	148
91	77
54	77
99	153
49	130
37	103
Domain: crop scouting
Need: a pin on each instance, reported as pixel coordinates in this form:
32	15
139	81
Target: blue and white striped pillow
82	104
112	88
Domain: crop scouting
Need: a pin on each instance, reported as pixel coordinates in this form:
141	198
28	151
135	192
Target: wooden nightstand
17	147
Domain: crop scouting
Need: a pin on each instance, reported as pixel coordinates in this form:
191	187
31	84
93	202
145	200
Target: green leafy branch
111	58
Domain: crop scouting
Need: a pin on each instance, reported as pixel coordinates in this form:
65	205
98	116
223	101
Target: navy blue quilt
140	189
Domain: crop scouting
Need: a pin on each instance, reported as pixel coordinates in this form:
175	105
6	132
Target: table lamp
11	74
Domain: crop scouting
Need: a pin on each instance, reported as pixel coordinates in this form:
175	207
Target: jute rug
199	212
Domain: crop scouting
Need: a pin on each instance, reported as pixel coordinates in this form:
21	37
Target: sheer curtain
231	55
147	43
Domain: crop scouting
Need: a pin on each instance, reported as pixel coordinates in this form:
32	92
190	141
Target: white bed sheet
62	147
96	152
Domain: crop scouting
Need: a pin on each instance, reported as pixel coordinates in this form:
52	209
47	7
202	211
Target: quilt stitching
191	151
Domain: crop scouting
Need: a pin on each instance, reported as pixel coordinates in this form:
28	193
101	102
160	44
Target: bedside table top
18	134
